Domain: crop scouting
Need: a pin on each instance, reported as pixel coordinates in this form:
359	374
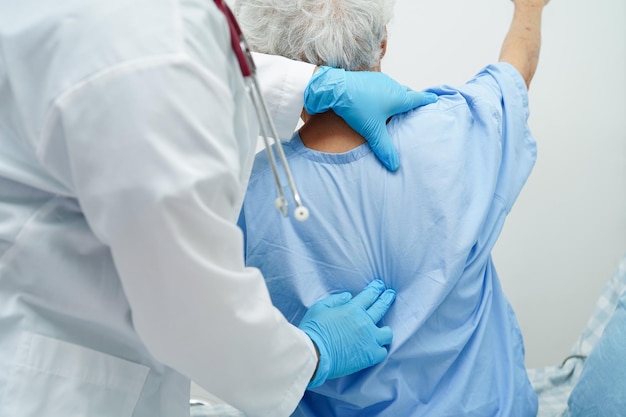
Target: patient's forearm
523	41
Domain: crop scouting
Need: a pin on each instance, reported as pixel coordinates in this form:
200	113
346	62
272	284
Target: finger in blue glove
365	100
345	331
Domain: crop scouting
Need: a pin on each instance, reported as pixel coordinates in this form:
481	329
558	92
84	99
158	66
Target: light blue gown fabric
427	230
601	389
594	373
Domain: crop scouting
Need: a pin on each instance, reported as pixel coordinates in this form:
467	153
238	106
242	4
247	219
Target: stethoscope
248	70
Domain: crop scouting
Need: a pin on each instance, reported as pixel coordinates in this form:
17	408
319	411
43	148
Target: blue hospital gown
427	230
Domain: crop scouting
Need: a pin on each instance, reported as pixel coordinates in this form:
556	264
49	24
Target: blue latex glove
365	100
345	333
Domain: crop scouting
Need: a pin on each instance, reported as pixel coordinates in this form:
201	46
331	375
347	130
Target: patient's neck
327	132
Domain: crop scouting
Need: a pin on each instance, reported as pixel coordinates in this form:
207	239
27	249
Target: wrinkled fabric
427	230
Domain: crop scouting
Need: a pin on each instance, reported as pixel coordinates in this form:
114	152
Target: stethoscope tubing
248	70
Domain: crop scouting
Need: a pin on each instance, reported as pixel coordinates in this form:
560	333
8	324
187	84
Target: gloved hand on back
345	333
365	100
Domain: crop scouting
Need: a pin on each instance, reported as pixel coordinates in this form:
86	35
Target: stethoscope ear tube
266	124
301	213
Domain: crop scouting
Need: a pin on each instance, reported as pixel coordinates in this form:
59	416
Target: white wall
567	231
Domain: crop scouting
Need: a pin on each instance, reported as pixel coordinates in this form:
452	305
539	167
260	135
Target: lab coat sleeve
159	174
283	82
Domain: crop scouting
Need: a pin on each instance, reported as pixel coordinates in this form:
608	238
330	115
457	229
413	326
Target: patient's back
427	230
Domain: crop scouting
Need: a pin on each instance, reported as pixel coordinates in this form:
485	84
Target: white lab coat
126	140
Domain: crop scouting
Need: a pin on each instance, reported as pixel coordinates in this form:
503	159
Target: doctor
126	144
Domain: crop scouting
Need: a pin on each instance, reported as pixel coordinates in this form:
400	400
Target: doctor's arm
522	43
159	177
283	82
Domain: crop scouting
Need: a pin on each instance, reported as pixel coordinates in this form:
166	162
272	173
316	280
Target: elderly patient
427	229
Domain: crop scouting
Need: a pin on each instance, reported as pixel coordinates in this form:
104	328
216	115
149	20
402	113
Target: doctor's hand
345	333
365	100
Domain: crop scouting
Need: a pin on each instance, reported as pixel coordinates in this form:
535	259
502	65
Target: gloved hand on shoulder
365	100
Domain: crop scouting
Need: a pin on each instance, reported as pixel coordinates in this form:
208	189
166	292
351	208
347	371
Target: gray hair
344	34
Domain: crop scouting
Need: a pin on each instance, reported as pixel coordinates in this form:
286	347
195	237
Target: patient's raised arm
523	41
